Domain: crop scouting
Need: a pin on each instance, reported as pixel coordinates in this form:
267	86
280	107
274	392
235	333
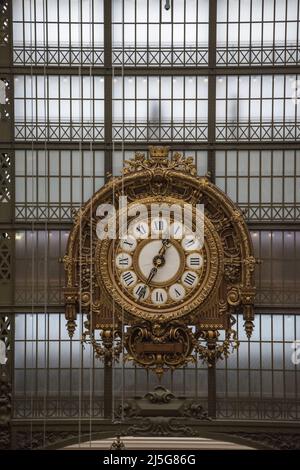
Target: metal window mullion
211	122
239	30
283	362
274	29
184	124
227	27
262	32
260	361
272	356
108	124
285	31
297	32
250	38
34	366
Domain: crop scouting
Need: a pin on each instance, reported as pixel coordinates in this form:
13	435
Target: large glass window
51	373
261	380
277	277
264	183
257	32
58	32
257	107
50	184
145	33
59	107
83	101
160	108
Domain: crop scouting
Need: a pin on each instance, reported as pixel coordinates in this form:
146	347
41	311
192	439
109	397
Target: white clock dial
189	279
128	243
190	243
140	229
177	230
177	292
165	272
123	260
194	261
128	278
159	296
159	225
140	291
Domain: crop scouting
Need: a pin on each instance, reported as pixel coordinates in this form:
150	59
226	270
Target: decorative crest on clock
159	159
159	152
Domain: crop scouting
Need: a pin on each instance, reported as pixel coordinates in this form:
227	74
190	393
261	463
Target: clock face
159	264
161	270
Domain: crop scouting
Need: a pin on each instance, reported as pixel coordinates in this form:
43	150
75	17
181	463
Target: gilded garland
157	286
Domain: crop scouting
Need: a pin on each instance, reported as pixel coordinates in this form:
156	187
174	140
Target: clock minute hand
149	279
165	245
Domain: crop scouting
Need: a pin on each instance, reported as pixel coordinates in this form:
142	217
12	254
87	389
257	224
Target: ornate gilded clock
156	283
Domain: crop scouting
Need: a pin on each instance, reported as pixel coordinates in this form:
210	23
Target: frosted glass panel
74	102
145	25
50	175
72	31
267	182
253	32
163	102
257	107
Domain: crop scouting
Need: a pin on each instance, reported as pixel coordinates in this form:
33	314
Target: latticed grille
5	177
5	258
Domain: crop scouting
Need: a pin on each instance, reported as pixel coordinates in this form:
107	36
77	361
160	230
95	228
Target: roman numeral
189	279
128	278
123	261
141	229
159	297
178	294
141	291
195	261
189	242
126	242
159	225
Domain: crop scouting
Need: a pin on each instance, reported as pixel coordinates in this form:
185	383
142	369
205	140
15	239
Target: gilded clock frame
165	340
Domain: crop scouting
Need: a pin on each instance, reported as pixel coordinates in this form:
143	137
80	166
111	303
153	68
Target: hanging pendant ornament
167	5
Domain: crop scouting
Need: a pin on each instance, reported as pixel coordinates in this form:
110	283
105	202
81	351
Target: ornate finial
159	152
117	444
249	326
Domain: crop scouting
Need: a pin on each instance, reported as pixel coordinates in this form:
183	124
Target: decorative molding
161	403
51	55
38	439
60	131
267	131
161	427
256	55
274	440
160	56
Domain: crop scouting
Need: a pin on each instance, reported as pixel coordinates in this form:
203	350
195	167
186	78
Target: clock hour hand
158	261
